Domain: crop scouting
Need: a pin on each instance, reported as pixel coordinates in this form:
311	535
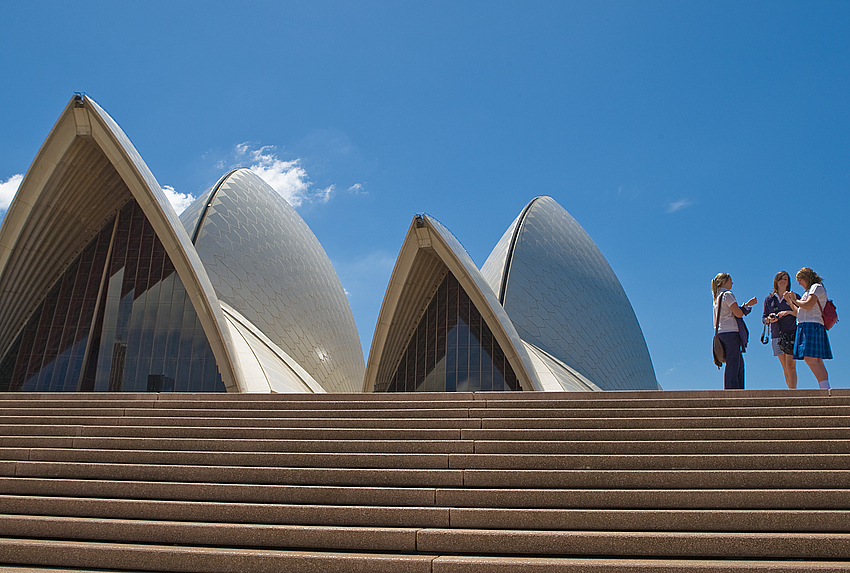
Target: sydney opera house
104	288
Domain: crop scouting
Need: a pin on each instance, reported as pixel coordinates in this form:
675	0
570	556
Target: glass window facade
118	320
452	349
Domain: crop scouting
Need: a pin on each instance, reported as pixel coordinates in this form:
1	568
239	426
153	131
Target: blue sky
687	138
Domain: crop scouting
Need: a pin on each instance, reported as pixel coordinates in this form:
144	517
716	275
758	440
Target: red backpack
829	314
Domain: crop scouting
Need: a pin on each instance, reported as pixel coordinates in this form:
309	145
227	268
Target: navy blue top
786	323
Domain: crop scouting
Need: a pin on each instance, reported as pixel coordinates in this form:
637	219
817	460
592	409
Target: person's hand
789	296
752	302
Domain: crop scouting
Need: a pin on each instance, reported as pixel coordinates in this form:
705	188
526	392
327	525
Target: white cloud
289	178
8	188
324	195
678	205
178	200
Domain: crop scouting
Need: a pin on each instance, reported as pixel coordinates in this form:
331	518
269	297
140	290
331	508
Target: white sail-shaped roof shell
266	265
563	298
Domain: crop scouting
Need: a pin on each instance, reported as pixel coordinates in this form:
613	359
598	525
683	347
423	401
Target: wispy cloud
8	188
289	178
678	205
178	200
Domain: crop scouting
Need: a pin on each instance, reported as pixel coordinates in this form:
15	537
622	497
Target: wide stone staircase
615	482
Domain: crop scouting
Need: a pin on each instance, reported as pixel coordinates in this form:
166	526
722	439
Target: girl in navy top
782	318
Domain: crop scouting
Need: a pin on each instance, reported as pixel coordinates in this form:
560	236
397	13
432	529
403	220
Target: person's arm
766	313
738	311
806	303
792	311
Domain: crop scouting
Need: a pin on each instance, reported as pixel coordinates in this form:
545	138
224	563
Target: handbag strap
717	320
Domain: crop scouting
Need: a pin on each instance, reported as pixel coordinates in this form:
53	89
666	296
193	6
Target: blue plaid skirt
811	341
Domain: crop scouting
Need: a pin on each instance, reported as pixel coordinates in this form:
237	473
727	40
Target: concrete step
343	433
384	460
333	442
192	397
475	478
423	412
326	422
503	564
657	435
707	412
652	479
250	405
134	557
837	499
326	444
232	474
748	545
223	492
428	410
586	400
652	520
232	433
818	521
682	545
506	423
440	497
217	512
649	461
387	460
648	447
666	423
382	539
606	400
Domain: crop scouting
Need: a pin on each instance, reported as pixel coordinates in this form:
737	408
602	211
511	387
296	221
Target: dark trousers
733	376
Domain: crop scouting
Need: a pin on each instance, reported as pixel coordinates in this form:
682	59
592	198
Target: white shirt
727	319
813	314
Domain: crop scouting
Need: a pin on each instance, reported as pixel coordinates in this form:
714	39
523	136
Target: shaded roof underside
64	220
430	251
85	171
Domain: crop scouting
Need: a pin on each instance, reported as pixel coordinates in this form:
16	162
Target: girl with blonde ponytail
731	332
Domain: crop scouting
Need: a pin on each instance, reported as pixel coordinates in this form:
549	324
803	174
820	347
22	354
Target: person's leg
733	375
819	370
789	369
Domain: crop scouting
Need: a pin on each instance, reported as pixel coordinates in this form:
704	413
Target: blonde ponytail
718	282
